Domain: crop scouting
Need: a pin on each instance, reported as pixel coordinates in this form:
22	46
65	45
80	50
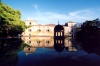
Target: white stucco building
47	30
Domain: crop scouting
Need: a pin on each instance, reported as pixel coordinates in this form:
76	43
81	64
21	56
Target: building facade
36	29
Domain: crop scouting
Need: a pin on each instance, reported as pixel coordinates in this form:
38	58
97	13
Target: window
58	41
47	42
61	34
61	41
56	33
48	30
30	23
29	49
29	42
39	30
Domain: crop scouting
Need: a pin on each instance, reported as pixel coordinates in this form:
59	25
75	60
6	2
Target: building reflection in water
71	44
59	44
49	42
29	50
39	41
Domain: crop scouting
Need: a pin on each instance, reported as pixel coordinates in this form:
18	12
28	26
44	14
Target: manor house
36	29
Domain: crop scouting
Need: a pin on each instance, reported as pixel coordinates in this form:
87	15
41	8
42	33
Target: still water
47	51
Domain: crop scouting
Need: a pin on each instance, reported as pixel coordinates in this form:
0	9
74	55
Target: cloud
52	17
82	14
35	6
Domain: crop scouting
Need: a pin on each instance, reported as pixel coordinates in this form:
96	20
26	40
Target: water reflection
8	51
39	41
91	45
71	44
59	44
29	50
47	51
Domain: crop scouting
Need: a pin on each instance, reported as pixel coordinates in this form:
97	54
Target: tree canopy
10	21
90	28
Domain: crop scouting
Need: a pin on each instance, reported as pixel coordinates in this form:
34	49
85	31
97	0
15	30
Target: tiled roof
30	20
70	22
50	25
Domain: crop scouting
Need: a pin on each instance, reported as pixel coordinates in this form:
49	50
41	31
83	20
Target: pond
47	51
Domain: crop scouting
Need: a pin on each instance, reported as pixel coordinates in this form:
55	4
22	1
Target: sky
52	11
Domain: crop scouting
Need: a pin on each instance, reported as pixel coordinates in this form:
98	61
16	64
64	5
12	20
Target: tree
90	28
10	23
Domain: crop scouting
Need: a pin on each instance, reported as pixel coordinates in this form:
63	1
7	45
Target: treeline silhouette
89	35
89	29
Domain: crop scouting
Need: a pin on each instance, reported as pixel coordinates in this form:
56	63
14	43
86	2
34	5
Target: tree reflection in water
47	53
91	45
8	51
61	52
